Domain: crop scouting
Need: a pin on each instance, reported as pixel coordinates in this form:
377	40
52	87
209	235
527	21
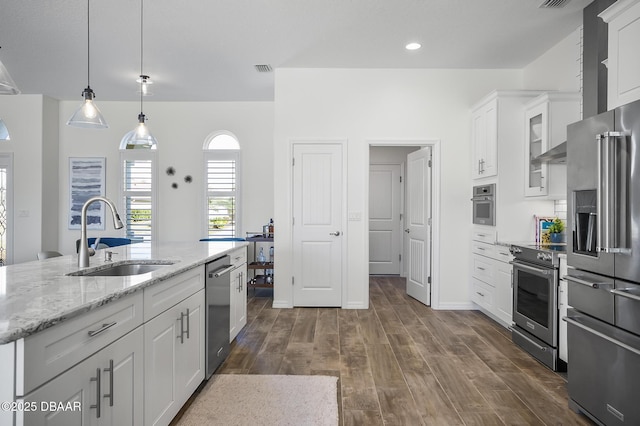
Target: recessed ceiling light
413	46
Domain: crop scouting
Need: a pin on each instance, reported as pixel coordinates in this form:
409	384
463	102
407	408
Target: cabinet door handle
110	394
97	404
101	329
335	234
181	336
188	322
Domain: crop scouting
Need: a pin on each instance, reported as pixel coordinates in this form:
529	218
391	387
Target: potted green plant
556	231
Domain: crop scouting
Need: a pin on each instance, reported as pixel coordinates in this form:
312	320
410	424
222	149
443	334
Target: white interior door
418	222
385	223
317	224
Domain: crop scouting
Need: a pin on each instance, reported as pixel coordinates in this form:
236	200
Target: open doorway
402	200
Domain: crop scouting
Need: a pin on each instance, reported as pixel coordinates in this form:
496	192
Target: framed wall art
86	180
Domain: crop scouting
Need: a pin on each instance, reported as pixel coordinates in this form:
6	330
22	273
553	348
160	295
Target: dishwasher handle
221	271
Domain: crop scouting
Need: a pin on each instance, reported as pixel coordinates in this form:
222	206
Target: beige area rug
248	399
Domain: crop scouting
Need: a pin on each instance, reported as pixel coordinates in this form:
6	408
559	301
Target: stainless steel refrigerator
603	198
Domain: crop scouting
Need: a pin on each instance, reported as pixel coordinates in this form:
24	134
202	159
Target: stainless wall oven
484	204
535	302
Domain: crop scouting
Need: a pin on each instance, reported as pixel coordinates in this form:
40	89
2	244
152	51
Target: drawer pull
110	394
623	292
101	329
481	248
481	268
97	404
480	294
188	322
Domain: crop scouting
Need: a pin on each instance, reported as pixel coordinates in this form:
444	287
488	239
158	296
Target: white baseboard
454	306
281	304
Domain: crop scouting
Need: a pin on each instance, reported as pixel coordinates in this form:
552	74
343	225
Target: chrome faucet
84	252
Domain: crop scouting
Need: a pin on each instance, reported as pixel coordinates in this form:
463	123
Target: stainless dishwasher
217	294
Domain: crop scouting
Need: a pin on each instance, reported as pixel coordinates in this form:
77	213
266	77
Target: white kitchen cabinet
174	358
484	139
563	302
491	281
104	389
546	119
238	315
503	300
513	213
623	63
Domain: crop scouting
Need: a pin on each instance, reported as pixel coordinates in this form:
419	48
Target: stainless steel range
535	301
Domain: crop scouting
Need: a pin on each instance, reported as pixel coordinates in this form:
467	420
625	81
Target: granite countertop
37	295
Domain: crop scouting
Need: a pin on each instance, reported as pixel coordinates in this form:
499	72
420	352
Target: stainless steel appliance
603	328
484	204
217	295
535	301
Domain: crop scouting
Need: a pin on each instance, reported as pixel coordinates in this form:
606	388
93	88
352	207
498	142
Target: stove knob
540	256
549	257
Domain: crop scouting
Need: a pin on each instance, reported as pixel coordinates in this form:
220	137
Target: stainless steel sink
122	269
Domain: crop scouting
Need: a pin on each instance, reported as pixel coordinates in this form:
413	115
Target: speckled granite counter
37	295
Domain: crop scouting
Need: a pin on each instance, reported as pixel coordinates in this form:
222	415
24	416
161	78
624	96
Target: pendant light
88	115
7	85
140	137
4	132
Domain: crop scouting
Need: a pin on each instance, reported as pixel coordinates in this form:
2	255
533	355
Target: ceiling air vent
263	68
553	4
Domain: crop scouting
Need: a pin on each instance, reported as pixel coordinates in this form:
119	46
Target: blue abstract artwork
86	180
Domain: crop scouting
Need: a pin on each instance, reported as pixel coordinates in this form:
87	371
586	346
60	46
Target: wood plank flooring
402	363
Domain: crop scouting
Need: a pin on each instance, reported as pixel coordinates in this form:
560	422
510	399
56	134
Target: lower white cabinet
174	358
238	302
491	280
104	389
503	299
563	304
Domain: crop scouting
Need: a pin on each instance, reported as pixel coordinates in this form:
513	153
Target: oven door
484	210
535	304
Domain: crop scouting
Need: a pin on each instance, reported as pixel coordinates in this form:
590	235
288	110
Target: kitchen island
87	342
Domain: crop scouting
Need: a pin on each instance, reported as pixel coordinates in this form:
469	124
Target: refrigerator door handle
611	200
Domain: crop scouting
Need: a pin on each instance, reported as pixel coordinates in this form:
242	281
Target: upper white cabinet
623	76
484	139
546	120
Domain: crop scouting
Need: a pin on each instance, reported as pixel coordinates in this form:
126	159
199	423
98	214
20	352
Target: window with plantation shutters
138	194
222	166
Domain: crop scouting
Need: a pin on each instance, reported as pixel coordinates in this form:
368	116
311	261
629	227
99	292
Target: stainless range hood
557	154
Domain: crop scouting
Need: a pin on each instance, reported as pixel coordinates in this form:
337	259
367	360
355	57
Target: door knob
335	234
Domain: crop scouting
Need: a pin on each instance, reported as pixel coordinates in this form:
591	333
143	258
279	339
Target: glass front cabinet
546	120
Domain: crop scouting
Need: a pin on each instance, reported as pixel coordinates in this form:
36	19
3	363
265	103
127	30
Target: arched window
222	177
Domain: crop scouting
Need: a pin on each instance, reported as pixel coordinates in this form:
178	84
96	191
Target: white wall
557	69
377	105
181	129
31	120
390	154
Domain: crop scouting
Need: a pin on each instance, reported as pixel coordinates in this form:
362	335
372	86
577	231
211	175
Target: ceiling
205	50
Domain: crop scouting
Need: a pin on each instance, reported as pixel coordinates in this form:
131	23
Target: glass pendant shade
7	85
140	137
4	132
88	115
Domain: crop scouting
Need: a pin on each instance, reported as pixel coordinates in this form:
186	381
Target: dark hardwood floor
402	363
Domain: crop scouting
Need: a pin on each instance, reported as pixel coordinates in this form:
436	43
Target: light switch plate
355	216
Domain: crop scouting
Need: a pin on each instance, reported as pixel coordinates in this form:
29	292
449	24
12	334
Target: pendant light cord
141	49
88	49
